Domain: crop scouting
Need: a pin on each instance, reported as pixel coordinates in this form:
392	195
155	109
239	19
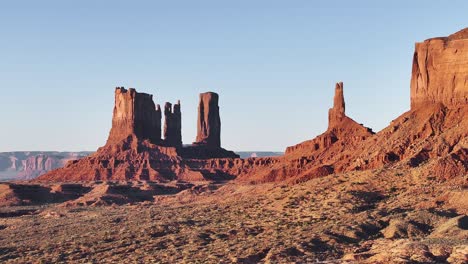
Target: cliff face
440	71
135	114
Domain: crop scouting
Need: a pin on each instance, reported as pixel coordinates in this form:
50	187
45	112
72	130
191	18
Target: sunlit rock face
440	71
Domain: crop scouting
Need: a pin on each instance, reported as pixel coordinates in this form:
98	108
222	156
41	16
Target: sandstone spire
337	113
135	114
173	125
209	121
159	120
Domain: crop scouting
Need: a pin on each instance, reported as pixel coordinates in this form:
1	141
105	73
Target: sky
274	64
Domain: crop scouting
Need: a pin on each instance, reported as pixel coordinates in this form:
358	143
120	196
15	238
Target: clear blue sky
274	64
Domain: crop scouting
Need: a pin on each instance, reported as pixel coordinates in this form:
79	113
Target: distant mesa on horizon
27	165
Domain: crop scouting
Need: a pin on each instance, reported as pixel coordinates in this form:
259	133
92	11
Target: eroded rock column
173	125
337	113
209	121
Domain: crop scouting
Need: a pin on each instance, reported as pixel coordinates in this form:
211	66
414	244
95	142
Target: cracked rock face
440	71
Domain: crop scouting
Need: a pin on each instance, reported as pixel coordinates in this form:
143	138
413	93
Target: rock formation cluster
433	135
136	150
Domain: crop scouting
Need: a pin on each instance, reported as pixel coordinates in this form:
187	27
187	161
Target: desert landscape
349	195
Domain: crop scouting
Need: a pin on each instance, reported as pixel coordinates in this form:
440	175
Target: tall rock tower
209	121
337	113
135	114
173	125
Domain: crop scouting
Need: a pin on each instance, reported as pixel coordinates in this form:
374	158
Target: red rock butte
136	151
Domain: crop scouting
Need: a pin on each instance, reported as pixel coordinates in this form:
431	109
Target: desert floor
380	216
